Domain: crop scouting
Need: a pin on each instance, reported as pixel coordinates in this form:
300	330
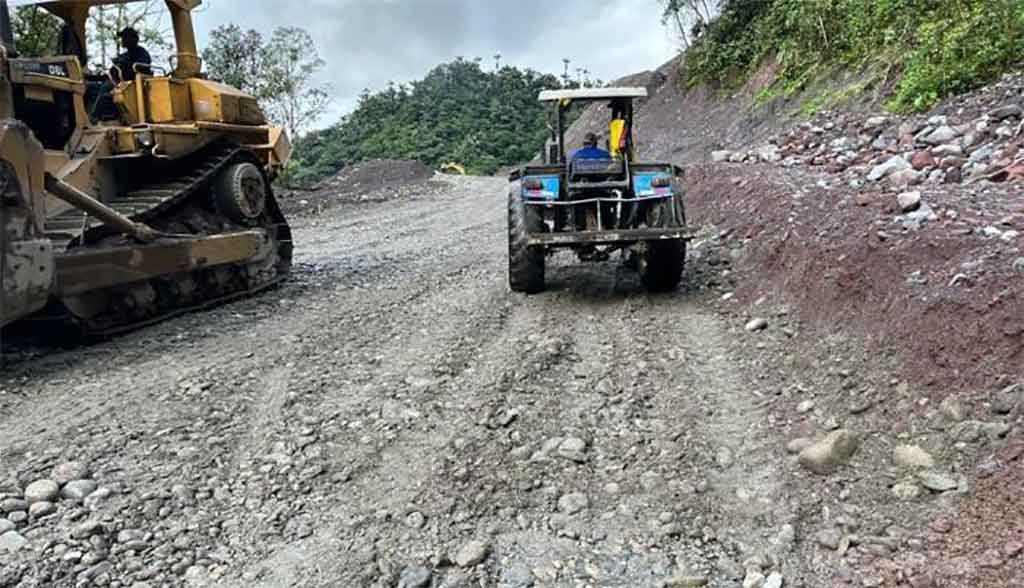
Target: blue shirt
591	153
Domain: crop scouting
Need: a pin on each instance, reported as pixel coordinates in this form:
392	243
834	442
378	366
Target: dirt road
394	416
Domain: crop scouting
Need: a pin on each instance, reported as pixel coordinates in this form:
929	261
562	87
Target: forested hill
483	120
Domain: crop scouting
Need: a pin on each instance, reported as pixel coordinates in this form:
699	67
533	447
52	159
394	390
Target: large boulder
1005	112
720	156
471	554
79	489
892	165
72	470
825	456
769	153
905	178
909	201
42	491
943	134
911	456
923	160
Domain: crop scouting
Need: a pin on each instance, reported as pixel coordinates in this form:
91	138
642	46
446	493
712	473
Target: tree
36	31
292	94
460	112
280	73
689	17
105	22
238	58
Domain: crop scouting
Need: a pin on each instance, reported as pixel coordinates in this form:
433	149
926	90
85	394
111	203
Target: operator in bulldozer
135	58
165	207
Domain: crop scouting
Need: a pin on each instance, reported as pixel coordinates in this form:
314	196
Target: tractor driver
123	70
590	149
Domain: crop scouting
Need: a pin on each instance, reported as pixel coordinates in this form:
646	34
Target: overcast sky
367	43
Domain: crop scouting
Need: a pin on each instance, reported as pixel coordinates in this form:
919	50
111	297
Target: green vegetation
483	120
280	72
37	32
934	48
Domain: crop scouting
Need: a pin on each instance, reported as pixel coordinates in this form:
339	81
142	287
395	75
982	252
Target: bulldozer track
169	204
142	204
204	305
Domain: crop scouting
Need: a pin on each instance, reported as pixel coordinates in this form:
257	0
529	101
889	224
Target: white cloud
367	43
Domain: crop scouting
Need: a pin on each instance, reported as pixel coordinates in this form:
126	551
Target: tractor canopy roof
593	94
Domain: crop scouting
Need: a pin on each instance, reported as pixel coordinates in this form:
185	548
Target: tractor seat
596	170
591	175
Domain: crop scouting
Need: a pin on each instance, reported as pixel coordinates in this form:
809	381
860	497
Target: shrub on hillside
936	47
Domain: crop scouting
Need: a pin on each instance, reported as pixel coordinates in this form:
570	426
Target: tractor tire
661	268
240	192
525	262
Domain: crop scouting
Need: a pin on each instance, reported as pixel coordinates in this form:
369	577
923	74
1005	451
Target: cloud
367	43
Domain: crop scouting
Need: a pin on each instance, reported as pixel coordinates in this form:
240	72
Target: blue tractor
596	202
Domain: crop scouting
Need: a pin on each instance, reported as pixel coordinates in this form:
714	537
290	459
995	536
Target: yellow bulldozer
453	169
113	224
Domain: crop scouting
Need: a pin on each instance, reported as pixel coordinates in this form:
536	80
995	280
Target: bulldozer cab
56	96
167	112
75	14
44	92
48	96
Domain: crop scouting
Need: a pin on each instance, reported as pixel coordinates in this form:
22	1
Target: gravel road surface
393	416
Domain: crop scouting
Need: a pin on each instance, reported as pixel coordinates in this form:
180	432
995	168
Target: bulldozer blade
85	271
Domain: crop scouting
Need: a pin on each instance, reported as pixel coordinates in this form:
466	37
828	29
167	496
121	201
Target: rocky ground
908	227
378	180
833	399
903	234
921	364
394	416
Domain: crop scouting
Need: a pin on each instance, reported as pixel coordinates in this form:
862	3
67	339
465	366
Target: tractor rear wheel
661	264
525	262
661	268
